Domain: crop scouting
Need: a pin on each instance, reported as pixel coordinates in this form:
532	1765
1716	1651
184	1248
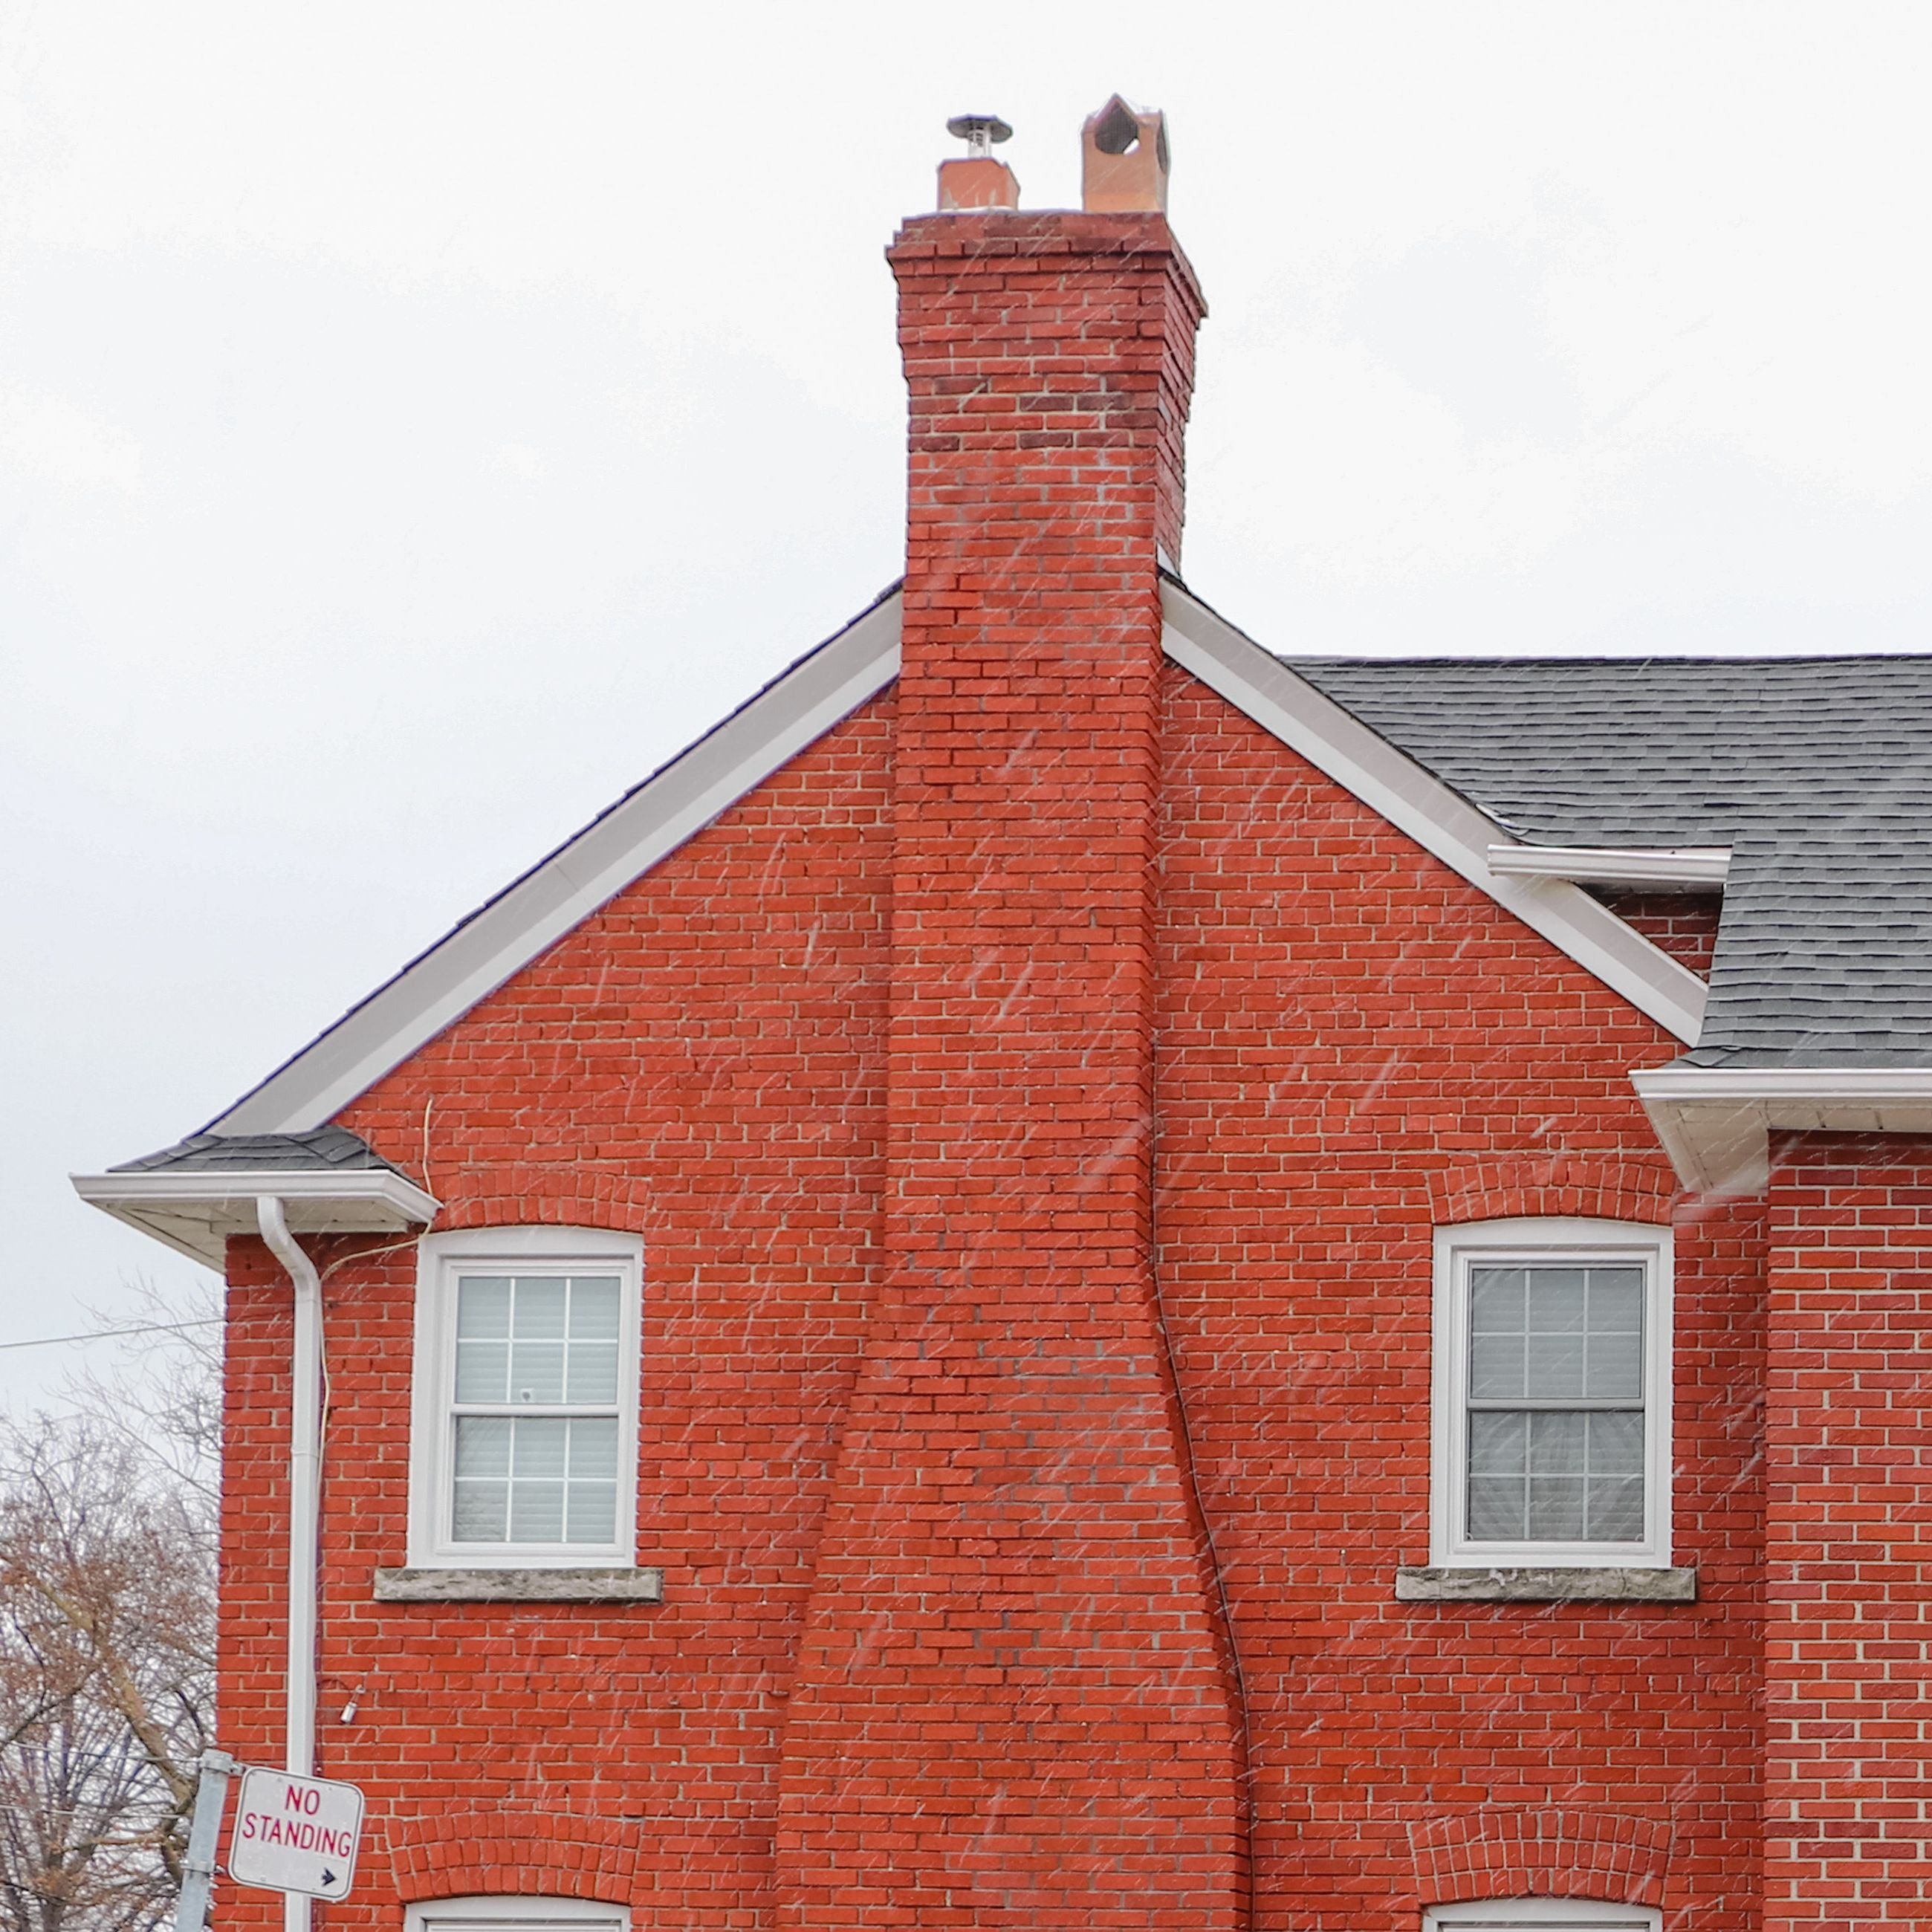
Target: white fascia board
1267	689
194	1213
378	1188
612	852
1716	1122
1699	867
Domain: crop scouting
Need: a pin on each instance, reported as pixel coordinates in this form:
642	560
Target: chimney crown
1123	160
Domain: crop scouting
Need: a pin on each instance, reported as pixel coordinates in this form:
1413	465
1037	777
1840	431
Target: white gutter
1716	1122
195	1211
1698	867
305	1509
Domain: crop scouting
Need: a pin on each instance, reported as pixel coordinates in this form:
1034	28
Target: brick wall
1355	1044
1848	1470
700	1063
1684	925
1351	1045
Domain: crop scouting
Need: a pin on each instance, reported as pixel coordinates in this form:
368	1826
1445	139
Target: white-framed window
497	1913
1551	1400
523	1442
1528	1915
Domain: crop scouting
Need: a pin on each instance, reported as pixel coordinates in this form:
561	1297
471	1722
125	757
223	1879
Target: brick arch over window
1618	1857
537	1194
532	1854
1496	1190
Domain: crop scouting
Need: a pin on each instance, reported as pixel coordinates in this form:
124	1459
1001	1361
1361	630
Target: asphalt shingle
1817	772
320	1148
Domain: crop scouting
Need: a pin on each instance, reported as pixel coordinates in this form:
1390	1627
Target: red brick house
1079	1275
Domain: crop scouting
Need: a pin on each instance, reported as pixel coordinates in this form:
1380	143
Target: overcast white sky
417	421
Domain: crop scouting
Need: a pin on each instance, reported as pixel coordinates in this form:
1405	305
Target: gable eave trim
671	807
798	708
1266	689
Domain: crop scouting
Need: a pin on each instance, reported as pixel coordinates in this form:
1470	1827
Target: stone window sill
639	1585
1472	1584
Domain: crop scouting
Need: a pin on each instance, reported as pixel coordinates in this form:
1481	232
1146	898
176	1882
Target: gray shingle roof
1817	773
320	1149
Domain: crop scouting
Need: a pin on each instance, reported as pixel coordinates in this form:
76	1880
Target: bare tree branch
107	1526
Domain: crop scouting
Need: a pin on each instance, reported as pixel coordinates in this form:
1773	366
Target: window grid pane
535	1479
1555	1406
543	1341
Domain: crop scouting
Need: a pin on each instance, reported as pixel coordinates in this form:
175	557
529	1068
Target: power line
114	1334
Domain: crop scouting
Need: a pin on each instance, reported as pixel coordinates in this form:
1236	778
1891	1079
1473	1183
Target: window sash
505	1912
553	1508
1612	1480
537	1479
1573	1498
527	1503
1561	1405
1533	1915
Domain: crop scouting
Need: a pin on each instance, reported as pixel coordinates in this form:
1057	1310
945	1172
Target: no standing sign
295	1834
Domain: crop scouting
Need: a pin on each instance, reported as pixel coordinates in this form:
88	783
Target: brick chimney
1015	1700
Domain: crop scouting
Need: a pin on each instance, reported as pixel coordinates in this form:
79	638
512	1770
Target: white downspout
305	1508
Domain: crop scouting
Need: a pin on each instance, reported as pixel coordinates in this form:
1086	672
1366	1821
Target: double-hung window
1552	1395
501	1913
525	1436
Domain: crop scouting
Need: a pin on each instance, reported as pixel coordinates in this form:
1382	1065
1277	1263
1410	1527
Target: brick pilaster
1848	1665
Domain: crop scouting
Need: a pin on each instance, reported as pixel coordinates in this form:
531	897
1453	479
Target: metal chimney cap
979	130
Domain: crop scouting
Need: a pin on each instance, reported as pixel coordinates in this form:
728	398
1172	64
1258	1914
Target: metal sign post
204	1835
298	1835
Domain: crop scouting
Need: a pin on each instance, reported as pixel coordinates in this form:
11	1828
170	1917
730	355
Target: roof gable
798	707
675	803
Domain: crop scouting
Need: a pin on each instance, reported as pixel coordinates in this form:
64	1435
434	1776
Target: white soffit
1716	1122
195	1212
645	826
1694	868
1267	689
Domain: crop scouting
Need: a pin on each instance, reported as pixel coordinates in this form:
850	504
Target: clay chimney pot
977	181
1123	160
